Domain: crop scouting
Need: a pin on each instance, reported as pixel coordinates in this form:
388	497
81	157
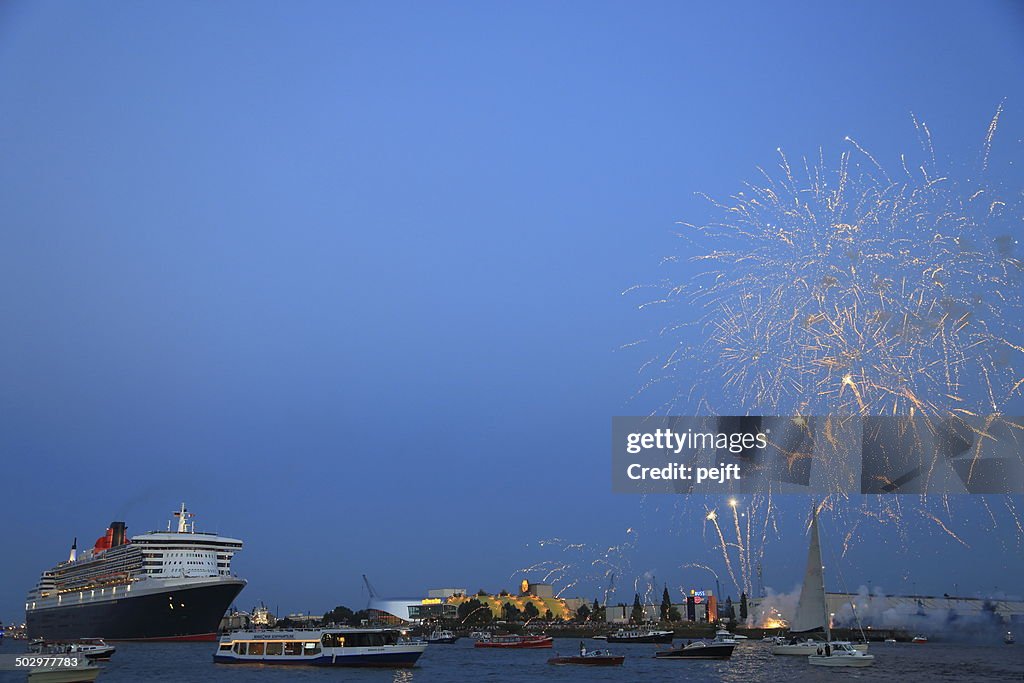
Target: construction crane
369	589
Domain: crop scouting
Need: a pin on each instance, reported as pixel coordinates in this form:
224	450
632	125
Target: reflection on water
403	676
752	662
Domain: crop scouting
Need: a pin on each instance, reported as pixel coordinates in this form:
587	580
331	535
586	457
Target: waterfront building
261	617
904	612
444	603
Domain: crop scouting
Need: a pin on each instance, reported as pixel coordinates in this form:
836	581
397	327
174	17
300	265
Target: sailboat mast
824	595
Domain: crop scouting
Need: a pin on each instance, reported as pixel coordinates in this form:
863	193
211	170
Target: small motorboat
442	637
515	642
724	636
90	648
840	654
601	637
920	640
1009	639
699	649
590	658
85	672
891	641
806	647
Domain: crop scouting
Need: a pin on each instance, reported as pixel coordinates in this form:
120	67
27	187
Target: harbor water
752	661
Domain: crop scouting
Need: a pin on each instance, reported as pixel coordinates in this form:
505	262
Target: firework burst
850	291
843	290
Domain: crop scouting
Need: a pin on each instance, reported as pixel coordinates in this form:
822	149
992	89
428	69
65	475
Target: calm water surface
752	661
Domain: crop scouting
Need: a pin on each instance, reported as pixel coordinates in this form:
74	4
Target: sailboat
812	615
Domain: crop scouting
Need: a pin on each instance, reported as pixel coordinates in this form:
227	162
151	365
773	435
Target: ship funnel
117	537
73	555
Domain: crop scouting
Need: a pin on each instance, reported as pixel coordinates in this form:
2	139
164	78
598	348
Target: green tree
673	614
510	612
743	606
583	614
548	616
531	611
474	612
339	615
666	604
597	612
637	615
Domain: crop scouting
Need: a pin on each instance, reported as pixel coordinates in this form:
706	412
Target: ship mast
183	516
816	545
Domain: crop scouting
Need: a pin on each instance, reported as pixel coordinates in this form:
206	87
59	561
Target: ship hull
712	651
387	660
182	612
660	638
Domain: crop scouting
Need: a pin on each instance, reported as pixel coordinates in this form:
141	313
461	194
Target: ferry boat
366	647
442	637
642	635
516	642
161	585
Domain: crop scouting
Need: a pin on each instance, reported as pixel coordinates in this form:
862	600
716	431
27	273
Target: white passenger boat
442	637
640	635
379	647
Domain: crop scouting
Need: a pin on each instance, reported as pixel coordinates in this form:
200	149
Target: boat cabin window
225	647
311	649
360	639
293	648
275	648
239	648
256	648
333	640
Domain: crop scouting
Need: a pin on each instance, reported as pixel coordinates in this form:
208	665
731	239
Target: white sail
810	610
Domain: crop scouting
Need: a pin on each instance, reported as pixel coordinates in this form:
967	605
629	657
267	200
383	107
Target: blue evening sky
346	276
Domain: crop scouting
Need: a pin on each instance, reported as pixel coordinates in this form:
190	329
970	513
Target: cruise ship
162	585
